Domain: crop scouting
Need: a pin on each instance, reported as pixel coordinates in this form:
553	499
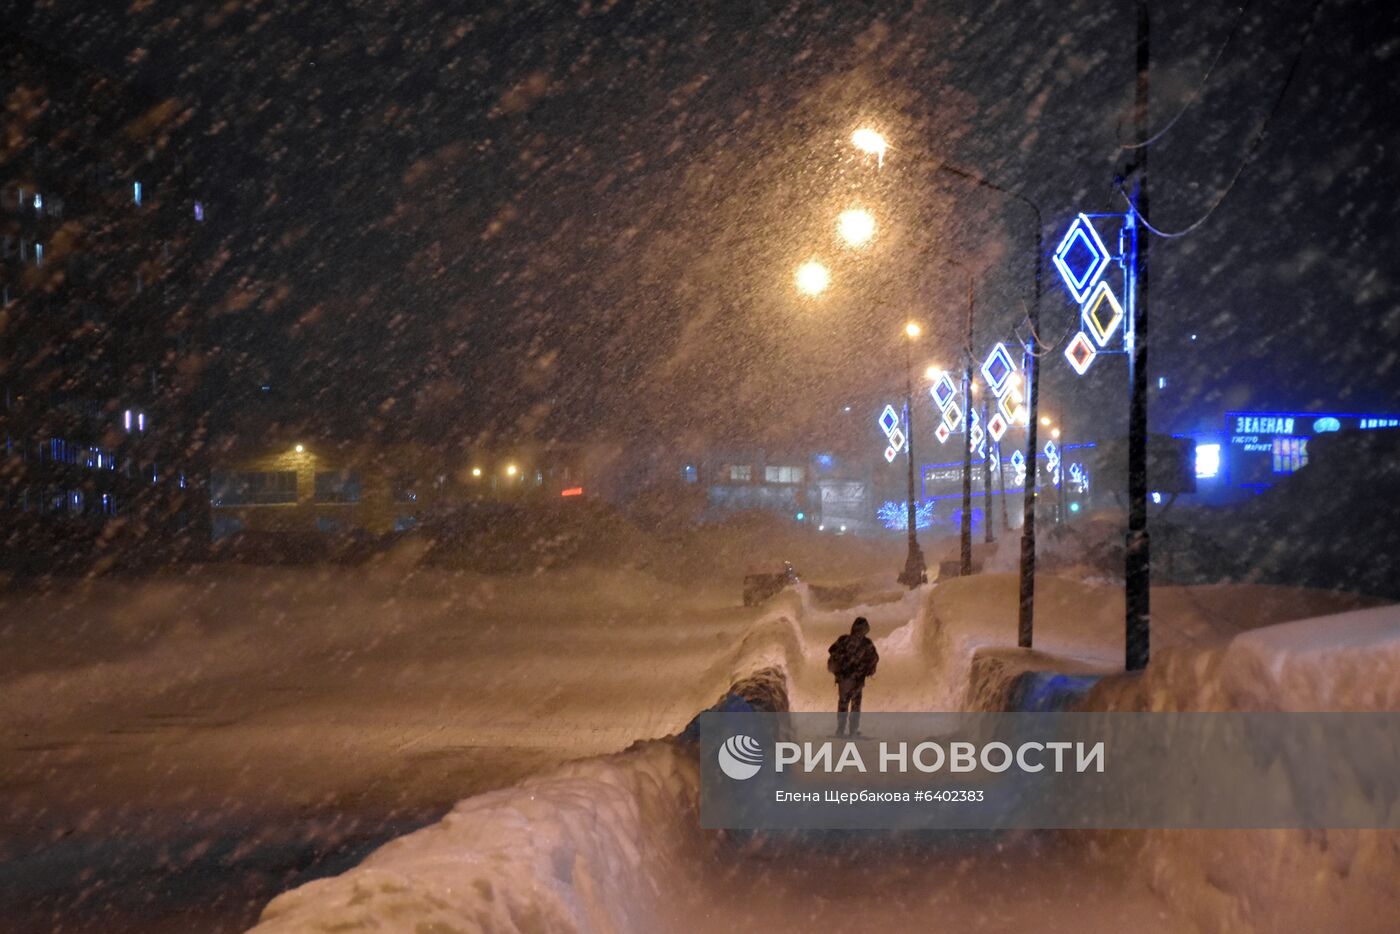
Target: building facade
97	232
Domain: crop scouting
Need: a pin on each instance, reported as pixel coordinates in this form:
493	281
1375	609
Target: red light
572	491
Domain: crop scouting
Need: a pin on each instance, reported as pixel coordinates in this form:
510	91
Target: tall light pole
965	532
1137	562
915	571
988	535
1025	617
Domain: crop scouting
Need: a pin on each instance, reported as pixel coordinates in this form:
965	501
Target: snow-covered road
179	751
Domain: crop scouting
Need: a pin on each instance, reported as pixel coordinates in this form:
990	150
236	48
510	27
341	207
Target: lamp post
1025	618
965	530
989	537
915	571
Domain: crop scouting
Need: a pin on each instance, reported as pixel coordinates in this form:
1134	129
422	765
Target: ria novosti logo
740	757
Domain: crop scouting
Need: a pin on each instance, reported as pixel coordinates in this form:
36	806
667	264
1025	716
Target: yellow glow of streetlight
813	278
1045	420
476	471
871	142
512	470
856	226
933	372
912	330
1055	433
300	448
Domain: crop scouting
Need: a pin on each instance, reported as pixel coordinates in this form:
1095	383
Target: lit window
38	254
199	211
1207	461
1290	454
782	474
38	202
741	473
136	192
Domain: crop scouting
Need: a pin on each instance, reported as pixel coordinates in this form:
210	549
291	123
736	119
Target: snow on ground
1274	880
234	725
611	843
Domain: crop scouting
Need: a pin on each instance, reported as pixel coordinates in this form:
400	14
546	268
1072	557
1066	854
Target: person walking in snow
852	658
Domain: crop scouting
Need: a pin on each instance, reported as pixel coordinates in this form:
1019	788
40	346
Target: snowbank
1275	880
591	847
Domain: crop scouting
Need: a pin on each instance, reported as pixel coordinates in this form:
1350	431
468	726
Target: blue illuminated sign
1324	425
1081	258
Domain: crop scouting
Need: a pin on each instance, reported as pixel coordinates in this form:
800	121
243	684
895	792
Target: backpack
848	653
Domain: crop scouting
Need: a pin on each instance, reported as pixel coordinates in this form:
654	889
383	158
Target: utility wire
1250	151
1200	88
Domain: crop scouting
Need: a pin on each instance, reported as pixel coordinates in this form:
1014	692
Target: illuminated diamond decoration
973	418
952	416
1081	258
889	420
976	435
1051	452
998	369
942	433
890	455
944	392
1007	406
1102	313
996	426
1018	460
993	460
1080	353
982	450
897	439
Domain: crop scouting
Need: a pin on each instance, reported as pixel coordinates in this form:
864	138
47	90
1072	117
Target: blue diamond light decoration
889	420
1081	258
1018	460
997	370
943	392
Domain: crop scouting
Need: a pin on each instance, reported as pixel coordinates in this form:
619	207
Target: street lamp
870	142
915	571
856	226
812	278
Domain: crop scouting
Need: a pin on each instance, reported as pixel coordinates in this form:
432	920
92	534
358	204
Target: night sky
569	220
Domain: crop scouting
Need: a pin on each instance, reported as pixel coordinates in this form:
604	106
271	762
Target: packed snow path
614	844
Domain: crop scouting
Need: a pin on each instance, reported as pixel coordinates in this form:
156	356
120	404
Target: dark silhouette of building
98	238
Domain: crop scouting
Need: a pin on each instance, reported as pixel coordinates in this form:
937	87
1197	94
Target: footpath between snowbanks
613	844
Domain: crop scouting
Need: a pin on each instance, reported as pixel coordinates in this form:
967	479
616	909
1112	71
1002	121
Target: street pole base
1138	594
915	572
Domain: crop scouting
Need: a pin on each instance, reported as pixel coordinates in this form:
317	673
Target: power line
1250	151
1200	88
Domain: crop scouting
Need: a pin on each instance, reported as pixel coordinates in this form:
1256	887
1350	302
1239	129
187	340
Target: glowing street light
812	278
856	226
512	470
933	372
300	448
476	471
912	330
871	142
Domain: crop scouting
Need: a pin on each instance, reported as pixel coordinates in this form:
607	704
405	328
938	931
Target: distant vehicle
759	587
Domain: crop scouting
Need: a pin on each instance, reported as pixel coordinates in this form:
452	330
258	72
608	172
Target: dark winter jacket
852	658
